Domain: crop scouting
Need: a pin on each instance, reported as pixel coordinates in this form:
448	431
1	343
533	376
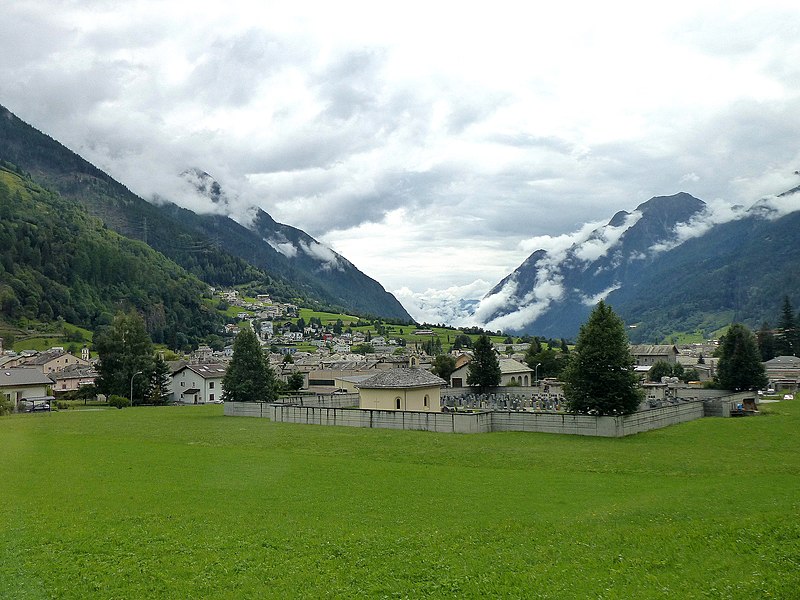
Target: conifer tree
787	342
740	366
484	369
159	381
599	378
249	377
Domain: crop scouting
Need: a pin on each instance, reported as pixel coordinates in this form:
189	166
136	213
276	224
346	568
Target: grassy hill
185	503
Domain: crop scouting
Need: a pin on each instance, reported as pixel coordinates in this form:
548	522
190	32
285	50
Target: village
316	360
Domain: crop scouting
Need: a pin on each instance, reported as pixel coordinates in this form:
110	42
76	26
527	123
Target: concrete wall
330	400
479	422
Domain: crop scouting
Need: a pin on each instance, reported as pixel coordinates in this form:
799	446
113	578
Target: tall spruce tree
159	381
484	368
599	378
249	377
740	367
787	342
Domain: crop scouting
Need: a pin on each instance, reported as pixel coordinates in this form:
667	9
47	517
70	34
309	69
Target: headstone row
505	402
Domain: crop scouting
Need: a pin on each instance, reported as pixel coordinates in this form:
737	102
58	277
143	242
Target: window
425	400
183	383
397	403
211	385
211	397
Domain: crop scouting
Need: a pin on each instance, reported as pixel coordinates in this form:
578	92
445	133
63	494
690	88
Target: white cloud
328	258
426	158
715	213
592	300
443	306
288	249
604	239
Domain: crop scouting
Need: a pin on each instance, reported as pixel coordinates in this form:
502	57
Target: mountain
215	248
56	261
669	266
287	252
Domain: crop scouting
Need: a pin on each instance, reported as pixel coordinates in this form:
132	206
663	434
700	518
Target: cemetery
521	410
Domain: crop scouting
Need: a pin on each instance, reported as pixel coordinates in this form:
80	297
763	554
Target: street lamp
536	373
132	376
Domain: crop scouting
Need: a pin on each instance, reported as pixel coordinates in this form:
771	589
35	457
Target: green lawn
181	502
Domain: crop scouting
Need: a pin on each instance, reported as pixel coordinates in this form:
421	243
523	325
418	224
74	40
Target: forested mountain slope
58	261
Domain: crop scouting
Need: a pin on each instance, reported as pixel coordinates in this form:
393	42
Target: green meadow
182	502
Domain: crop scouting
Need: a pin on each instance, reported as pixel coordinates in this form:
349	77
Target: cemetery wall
476	422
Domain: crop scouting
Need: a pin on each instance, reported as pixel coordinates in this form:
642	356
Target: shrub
6	406
118	401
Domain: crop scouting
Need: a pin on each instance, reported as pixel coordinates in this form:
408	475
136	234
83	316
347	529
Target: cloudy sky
434	144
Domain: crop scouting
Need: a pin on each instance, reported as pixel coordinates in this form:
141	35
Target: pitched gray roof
404	377
208	370
509	365
652	349
783	361
21	376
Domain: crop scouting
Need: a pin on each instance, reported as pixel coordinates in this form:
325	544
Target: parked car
37	406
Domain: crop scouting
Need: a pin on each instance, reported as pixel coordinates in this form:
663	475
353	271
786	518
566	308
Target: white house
19	383
198	384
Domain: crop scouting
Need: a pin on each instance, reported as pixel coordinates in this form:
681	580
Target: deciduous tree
443	366
124	349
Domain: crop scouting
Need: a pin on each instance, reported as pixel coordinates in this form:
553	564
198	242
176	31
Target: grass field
181	502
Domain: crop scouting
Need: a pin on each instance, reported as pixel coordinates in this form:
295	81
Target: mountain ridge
195	242
634	263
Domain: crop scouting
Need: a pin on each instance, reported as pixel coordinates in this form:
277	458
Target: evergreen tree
740	367
599	378
125	350
249	377
766	342
159	381
786	342
484	369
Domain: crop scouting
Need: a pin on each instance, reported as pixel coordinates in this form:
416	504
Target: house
24	383
647	355
198	384
53	360
406	388
512	372
783	373
326	378
72	378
